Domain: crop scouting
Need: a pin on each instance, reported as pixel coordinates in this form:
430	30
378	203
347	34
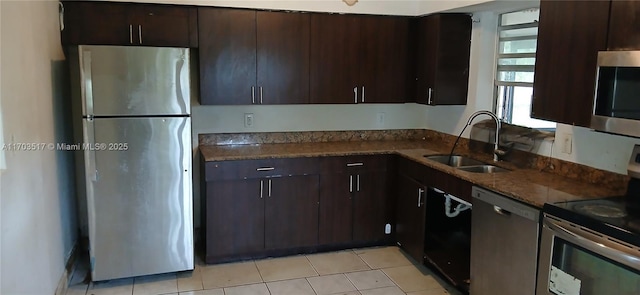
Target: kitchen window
515	63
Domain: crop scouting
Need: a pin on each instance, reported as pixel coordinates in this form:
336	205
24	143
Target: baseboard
63	284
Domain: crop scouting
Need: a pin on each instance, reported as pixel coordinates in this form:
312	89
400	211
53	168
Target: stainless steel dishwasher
504	245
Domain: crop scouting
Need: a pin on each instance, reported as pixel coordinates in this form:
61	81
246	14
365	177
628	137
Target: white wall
38	216
271	118
596	149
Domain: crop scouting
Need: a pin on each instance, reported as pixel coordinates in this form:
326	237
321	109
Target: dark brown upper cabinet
104	23
442	59
249	57
624	25
358	59
227	56
570	34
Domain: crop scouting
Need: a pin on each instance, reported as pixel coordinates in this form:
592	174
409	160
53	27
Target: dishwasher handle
501	211
504	205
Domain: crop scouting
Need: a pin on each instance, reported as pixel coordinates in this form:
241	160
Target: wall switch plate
380	118
248	120
566	140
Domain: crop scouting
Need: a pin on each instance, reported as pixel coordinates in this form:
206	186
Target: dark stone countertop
531	186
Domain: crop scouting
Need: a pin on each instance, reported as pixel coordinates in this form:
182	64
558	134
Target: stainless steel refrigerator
132	109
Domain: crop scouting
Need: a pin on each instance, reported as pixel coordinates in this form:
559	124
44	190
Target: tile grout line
312	266
317	274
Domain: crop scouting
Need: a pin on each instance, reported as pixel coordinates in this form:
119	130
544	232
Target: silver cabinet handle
265	169
355	164
260	94
261	188
362	93
430	94
358	183
253	94
269	188
355	94
130	34
420	191
350	183
140	33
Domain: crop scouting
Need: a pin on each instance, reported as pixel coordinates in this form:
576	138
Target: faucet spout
496	147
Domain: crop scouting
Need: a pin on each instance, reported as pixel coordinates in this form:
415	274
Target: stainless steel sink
466	164
483	169
456	161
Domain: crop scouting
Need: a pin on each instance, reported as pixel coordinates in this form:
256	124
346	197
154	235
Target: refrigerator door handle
90	148
87	86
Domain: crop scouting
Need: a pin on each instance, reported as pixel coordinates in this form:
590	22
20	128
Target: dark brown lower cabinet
410	216
245	218
291	212
354	201
369	207
336	209
235	218
255	208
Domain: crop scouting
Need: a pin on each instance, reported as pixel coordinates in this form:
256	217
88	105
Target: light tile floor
369	271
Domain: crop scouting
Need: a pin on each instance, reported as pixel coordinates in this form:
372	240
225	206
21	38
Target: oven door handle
598	244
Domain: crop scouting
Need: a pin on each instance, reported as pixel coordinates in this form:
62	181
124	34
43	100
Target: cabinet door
103	23
234	219
291	212
443	59
336	209
383	51
369	206
227	39
570	34
624	25
160	25
334	63
410	217
426	58
283	57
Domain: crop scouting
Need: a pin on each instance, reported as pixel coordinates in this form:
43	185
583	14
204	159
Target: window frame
509	86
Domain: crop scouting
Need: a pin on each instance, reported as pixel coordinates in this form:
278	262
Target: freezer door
132	81
139	195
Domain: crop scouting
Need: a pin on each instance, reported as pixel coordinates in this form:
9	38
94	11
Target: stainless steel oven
592	247
576	260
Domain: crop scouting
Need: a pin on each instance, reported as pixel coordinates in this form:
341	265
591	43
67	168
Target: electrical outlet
248	120
567	142
380	118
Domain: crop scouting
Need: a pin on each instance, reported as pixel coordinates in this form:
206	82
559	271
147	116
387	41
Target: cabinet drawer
227	170
348	164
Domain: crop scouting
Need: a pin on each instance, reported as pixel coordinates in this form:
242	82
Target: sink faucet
497	152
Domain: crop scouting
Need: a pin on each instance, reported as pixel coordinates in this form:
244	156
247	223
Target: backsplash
311	136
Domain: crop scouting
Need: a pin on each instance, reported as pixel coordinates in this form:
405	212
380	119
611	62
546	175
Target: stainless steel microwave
616	108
